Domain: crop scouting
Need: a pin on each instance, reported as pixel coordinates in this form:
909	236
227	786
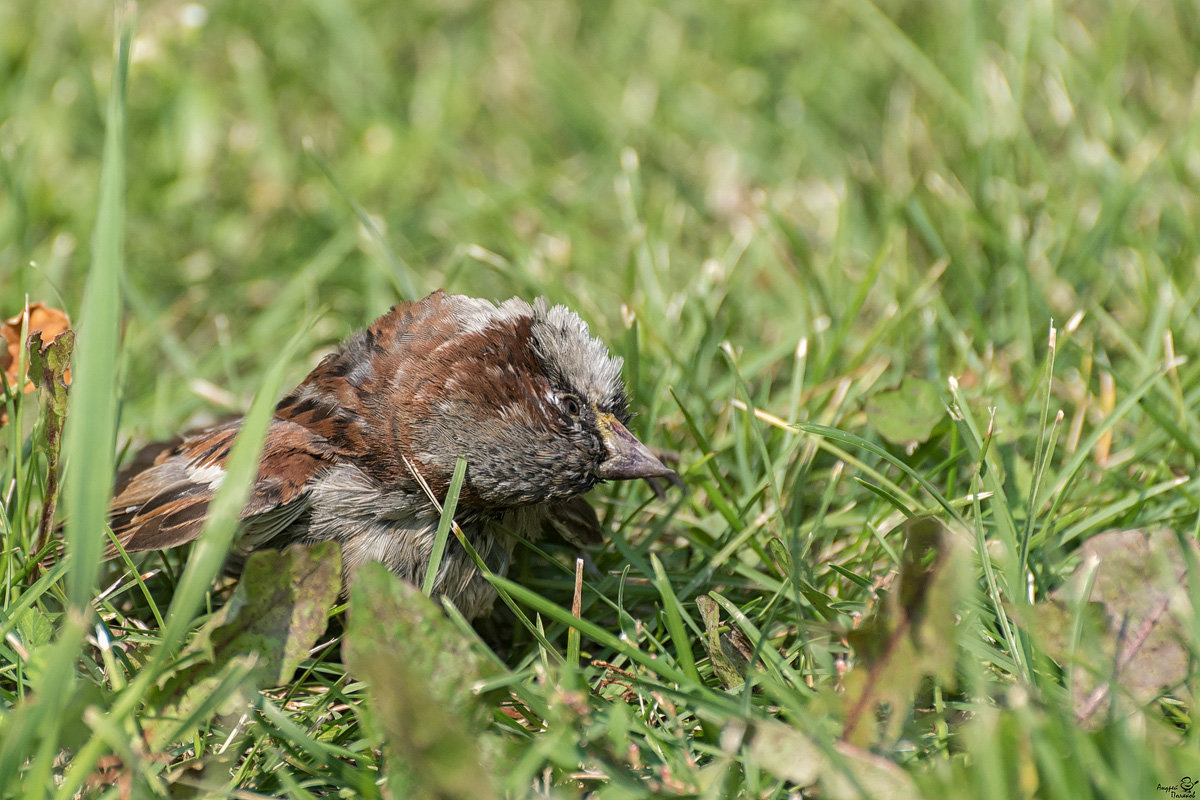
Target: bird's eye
571	404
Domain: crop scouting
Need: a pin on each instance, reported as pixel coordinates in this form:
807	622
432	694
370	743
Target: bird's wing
164	504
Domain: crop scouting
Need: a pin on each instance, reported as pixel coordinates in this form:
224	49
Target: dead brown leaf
1132	633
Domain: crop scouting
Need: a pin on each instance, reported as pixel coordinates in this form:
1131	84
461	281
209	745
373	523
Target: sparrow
524	392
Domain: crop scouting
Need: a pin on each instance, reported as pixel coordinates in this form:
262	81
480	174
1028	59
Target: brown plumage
523	392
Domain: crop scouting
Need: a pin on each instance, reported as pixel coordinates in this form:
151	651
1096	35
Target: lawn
911	289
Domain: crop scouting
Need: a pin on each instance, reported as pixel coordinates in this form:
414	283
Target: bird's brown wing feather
164	505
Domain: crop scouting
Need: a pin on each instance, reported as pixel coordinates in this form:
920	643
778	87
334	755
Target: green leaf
278	610
729	661
48	366
34	628
280	607
783	558
912	633
908	413
838	770
421	672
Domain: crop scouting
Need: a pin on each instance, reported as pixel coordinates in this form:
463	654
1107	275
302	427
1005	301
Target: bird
534	403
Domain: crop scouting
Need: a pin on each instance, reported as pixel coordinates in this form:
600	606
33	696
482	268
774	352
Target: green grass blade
92	412
674	616
857	441
443	529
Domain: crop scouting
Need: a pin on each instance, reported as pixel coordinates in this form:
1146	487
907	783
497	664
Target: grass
775	212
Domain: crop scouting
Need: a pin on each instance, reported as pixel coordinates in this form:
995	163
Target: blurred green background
754	158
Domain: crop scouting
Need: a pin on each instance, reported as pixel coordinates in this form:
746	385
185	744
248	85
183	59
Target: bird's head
523	391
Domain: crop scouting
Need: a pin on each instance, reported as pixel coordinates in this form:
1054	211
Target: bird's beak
627	457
